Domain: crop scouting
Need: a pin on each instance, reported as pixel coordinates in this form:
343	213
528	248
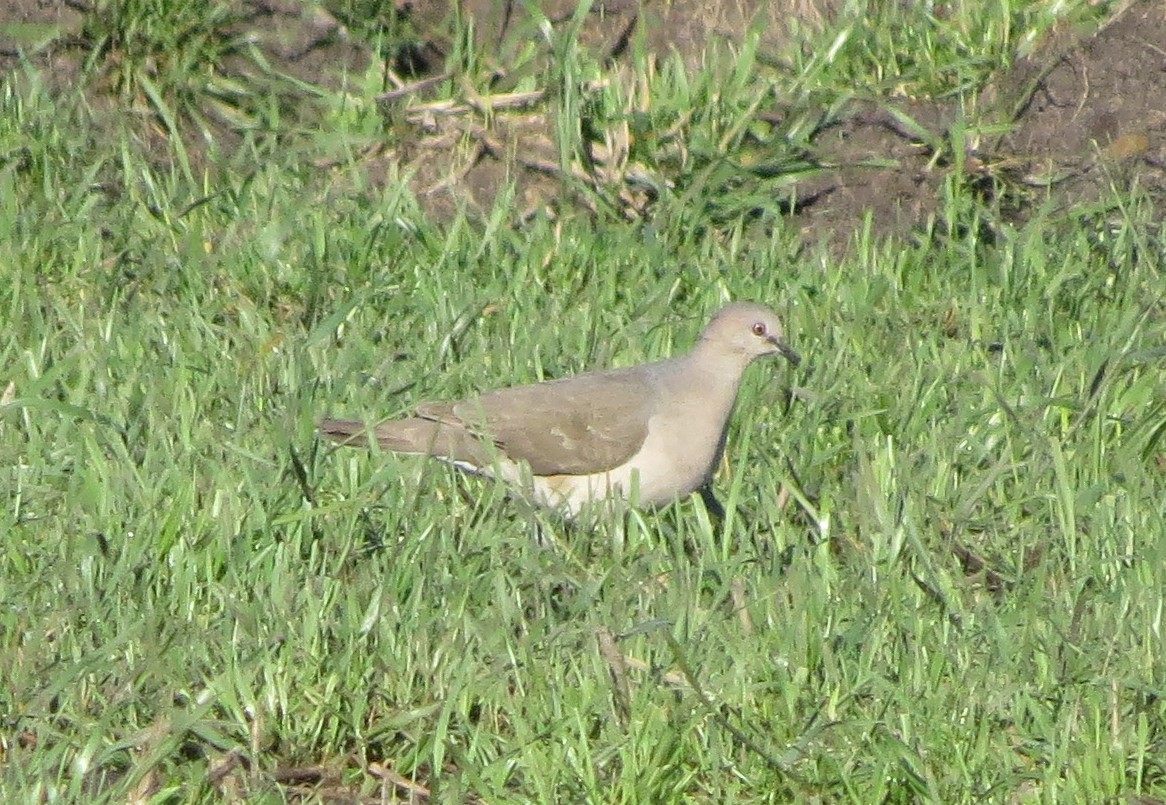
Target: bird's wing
575	426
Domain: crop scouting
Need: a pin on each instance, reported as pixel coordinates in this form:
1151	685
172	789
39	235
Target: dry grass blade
621	692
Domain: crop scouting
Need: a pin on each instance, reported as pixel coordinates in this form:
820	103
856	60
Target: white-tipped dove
653	432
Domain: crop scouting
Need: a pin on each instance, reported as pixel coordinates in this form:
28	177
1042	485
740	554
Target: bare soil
1087	109
1090	110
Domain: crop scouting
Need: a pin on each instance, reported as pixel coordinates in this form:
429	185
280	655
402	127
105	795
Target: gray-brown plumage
658	428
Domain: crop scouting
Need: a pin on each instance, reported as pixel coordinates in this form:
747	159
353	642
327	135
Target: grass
942	577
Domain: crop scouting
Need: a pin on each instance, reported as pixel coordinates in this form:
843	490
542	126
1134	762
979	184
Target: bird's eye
759	329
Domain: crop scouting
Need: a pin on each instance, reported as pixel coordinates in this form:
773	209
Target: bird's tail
345	431
413	435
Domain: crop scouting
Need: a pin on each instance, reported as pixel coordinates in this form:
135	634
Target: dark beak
786	351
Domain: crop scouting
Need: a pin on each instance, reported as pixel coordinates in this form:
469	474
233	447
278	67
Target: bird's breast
673	462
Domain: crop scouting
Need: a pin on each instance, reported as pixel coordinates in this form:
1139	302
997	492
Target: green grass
196	595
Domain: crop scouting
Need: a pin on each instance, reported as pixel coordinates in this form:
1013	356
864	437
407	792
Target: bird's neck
717	362
718	373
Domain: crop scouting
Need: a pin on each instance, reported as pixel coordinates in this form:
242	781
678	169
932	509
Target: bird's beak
786	351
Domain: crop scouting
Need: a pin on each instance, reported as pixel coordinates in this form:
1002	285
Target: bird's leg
711	503
544	537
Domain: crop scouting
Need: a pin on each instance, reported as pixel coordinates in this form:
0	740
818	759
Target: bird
645	435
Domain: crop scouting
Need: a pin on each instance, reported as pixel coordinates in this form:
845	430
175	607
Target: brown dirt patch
299	39
40	30
1090	111
610	27
1087	118
883	166
1086	109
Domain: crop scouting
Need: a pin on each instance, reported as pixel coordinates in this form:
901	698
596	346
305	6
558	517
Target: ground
1082	111
1077	114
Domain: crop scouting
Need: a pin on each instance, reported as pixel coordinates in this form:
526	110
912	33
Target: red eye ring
759	329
